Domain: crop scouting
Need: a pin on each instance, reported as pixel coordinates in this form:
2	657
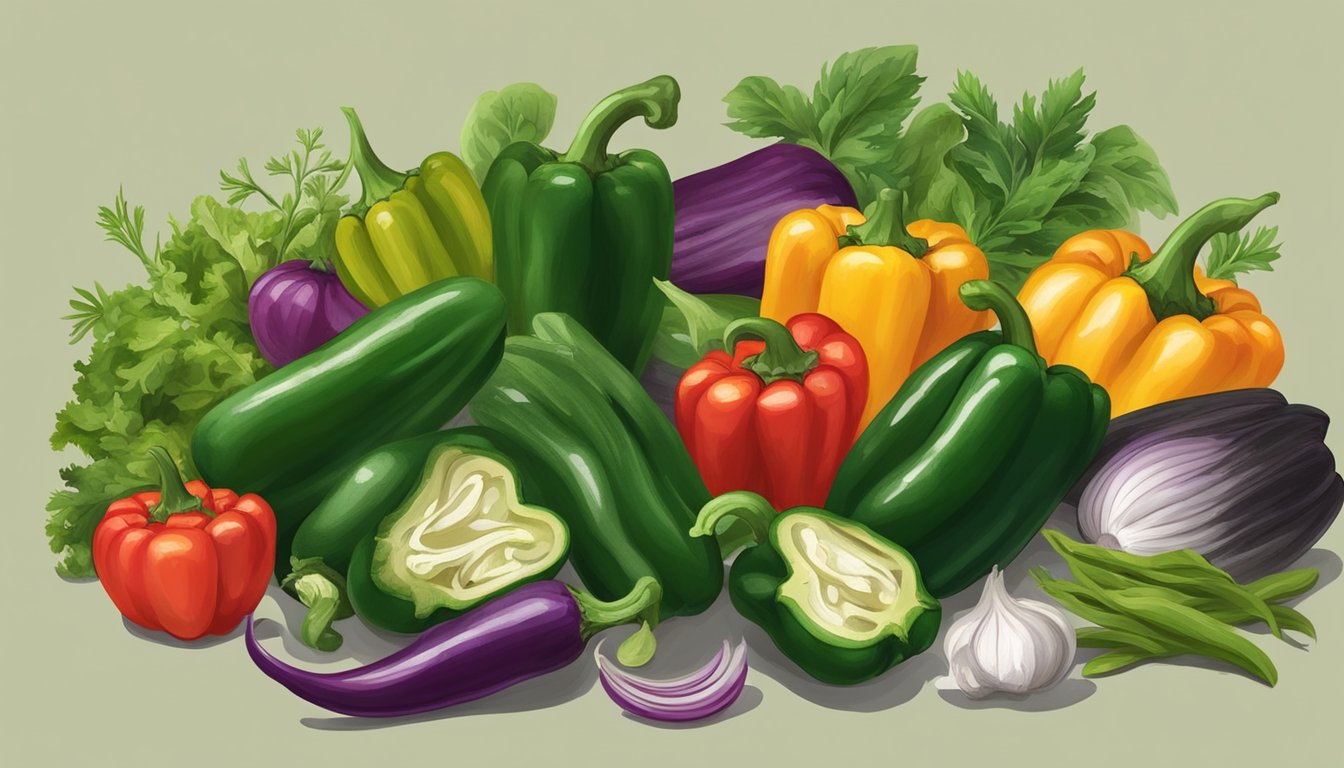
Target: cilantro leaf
762	108
1032	183
517	112
1129	161
854	116
1234	254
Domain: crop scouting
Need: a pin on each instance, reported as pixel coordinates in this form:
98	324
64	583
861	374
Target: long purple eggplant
535	629
725	215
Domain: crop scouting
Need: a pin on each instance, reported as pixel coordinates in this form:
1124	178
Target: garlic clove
1008	645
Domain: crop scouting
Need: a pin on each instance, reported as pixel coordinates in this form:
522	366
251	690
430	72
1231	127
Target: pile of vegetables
414	409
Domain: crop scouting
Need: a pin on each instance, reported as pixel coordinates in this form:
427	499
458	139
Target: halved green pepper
420	531
839	600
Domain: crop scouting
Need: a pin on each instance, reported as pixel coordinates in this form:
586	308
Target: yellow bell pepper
1151	327
894	288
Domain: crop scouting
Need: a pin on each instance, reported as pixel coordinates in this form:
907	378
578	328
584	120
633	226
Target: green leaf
1234	254
166	351
692	324
1021	189
854	117
762	108
516	112
919	168
1131	163
1056	129
861	101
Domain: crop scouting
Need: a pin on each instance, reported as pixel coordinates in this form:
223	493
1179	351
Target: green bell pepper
594	448
419	531
839	600
404	369
975	451
585	232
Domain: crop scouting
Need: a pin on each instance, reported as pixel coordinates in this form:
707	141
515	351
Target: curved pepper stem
886	226
750	508
322	591
640	604
1169	277
379	181
655	100
782	358
174	497
986	294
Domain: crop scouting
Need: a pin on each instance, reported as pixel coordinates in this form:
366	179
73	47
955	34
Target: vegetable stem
985	294
174	497
887	226
379	180
655	100
781	358
1169	277
750	508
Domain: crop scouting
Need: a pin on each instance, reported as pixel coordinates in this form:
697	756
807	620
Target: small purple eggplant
297	307
1241	477
535	629
725	214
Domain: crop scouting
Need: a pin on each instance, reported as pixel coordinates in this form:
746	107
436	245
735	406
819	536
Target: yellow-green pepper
410	229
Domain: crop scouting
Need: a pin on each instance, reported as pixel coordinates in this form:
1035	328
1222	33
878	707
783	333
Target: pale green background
160	97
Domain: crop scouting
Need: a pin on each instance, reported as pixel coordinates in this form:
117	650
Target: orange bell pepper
1150	327
892	287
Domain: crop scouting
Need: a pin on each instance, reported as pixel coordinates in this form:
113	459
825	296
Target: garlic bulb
1009	645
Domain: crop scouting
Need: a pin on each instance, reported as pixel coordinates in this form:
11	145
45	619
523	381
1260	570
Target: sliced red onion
704	692
1241	477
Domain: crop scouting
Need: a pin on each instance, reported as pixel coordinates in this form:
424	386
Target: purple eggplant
1242	477
535	629
297	307
725	215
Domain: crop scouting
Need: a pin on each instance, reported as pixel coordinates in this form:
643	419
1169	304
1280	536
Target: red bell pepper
190	560
778	416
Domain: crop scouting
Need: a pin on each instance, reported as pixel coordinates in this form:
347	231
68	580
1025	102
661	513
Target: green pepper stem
782	358
173	494
655	100
323	591
1169	277
379	181
750	508
323	599
986	294
886	226
640	604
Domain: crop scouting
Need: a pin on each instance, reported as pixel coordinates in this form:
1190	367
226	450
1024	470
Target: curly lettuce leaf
165	352
517	112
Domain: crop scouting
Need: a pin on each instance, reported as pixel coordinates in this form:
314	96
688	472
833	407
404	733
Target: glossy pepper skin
975	451
404	369
893	287
777	416
598	452
187	560
1150	327
585	232
759	584
336	542
410	229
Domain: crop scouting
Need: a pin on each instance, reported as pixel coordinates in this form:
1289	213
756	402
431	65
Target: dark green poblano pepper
975	451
